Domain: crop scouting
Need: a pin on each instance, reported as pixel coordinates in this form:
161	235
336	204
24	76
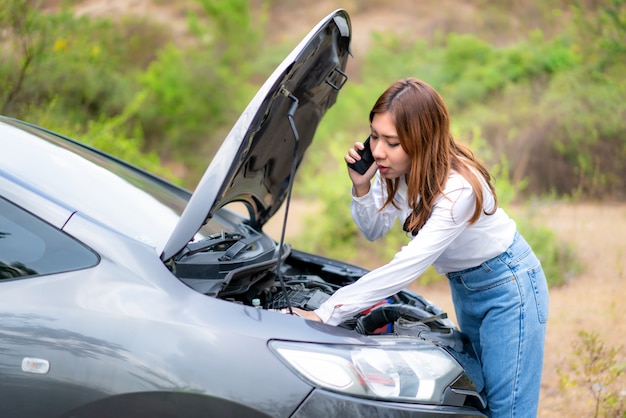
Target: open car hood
254	164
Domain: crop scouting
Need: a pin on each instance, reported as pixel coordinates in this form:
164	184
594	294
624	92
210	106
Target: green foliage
563	94
558	258
596	370
80	69
465	68
589	131
71	78
391	57
473	70
26	32
85	65
600	31
183	104
545	112
564	98
111	135
196	91
235	35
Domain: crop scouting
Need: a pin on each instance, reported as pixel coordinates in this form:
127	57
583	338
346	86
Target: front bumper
321	403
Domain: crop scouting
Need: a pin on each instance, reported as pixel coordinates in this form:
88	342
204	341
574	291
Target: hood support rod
294	166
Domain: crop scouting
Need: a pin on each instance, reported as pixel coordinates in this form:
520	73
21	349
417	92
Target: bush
117	136
596	370
85	65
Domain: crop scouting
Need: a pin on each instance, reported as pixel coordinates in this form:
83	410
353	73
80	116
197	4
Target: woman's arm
449	219
366	212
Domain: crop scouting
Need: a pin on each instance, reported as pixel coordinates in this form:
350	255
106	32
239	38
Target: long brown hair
423	126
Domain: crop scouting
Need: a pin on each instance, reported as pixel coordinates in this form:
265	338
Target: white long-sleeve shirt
446	241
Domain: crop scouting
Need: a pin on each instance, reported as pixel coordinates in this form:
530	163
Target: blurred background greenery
536	88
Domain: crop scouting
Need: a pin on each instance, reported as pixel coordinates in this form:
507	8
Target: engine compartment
243	267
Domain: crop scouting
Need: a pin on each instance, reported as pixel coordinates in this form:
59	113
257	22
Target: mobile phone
366	161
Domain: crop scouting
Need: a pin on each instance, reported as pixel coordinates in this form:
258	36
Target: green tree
196	92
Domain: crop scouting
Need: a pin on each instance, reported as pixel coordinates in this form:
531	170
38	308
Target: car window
30	247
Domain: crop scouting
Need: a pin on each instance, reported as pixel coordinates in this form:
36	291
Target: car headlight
407	372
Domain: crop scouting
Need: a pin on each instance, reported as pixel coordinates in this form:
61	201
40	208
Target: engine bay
248	267
243	267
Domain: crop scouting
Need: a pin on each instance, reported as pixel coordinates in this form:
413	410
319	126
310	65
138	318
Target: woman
448	205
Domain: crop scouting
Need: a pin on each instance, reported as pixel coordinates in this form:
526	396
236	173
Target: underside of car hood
258	158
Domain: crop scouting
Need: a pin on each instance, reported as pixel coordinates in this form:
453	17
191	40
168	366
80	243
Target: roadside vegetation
595	371
543	106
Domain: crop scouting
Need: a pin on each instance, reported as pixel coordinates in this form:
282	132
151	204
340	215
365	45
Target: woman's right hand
360	182
310	315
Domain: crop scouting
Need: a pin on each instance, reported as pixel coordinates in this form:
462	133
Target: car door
32	338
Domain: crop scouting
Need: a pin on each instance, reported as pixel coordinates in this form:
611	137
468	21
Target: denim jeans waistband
517	250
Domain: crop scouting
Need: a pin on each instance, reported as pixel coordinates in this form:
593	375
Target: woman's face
391	159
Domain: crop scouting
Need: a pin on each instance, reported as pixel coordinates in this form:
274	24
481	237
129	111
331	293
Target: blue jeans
502	305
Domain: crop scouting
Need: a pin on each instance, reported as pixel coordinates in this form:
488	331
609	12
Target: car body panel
112	319
320	402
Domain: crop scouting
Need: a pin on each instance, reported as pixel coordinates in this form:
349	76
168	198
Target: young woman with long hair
445	199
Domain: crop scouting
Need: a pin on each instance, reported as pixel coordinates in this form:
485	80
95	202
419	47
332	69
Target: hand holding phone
366	161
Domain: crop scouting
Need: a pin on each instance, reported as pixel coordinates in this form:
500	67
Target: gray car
123	295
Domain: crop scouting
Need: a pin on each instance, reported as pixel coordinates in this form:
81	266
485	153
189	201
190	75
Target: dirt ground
592	301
